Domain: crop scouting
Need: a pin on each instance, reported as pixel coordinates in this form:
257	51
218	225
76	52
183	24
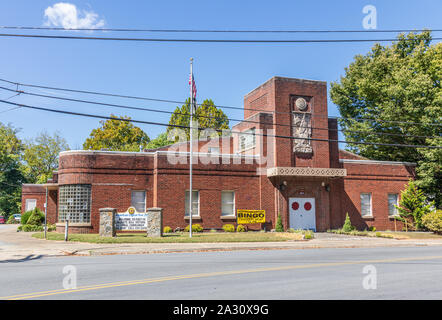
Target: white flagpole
191	148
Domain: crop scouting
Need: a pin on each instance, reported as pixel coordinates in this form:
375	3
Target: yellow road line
203	275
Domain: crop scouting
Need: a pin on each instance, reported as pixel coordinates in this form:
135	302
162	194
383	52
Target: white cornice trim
360	161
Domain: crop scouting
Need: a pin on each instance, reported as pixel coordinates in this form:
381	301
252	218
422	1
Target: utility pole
46	213
191	146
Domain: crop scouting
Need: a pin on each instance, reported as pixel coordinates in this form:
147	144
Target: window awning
50	186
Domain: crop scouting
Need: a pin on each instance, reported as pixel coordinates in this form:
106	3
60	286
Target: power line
41	36
217	130
214	30
218	106
203	116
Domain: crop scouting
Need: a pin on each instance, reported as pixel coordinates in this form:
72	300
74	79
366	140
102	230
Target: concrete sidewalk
20	245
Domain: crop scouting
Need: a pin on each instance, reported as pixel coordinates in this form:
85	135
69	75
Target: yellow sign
131	210
250	216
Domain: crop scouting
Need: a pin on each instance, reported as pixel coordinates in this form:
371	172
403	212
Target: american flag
192	83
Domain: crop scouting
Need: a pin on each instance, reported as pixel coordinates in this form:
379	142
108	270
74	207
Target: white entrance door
302	213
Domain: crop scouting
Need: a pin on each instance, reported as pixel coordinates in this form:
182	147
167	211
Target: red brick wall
31	191
379	180
113	175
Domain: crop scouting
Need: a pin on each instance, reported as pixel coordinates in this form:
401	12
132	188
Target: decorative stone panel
107	222
154	222
306	172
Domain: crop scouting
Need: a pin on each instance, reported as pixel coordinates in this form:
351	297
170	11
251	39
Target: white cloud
67	15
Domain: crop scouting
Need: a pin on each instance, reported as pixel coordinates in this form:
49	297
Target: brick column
107	222
154	222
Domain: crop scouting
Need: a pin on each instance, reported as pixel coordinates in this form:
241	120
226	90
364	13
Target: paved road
401	273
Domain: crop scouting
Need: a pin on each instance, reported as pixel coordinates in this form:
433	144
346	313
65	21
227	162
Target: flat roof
137	153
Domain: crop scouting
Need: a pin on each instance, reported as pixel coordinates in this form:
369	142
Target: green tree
392	85
347	227
41	156
207	115
160	141
413	206
117	135
279	226
11	176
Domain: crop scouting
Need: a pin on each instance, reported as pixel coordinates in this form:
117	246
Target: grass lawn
413	235
179	237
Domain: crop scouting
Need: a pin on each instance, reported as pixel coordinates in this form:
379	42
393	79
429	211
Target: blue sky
223	72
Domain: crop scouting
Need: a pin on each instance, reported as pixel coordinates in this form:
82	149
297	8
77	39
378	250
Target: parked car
17	217
2	220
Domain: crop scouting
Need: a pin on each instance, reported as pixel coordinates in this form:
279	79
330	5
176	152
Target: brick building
279	159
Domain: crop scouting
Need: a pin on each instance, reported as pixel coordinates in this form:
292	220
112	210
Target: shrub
308	234
37	218
433	221
229	228
413	206
372	229
25	216
31	228
195	228
279	225
167	229
11	220
240	228
347	227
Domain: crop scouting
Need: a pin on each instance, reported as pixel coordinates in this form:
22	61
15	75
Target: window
247	139
195	203
138	200
392	201
227	203
366	209
30	204
75	203
214	150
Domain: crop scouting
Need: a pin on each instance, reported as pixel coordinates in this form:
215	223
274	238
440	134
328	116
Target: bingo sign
250	216
131	220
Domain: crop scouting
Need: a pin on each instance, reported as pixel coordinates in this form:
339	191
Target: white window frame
234	204
145	196
371	204
27	204
213	150
396	212
247	144
186	201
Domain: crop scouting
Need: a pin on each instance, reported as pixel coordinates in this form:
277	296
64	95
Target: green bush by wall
229	228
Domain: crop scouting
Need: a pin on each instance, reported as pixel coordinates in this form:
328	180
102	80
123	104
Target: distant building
305	178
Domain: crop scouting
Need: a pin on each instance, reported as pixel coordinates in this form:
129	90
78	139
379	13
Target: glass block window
138	200
366	209
393	199
247	140
227	203
195	203
74	203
